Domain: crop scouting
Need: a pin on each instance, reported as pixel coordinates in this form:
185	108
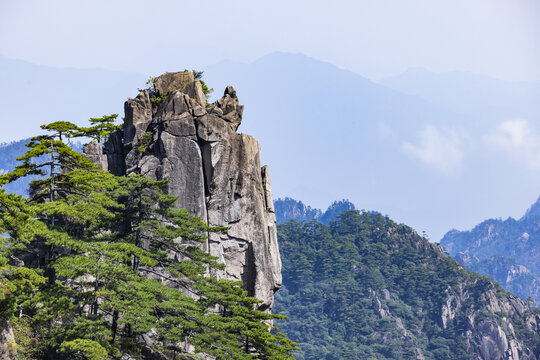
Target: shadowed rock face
215	171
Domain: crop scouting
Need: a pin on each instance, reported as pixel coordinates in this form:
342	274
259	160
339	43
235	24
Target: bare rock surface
169	133
494	339
8	345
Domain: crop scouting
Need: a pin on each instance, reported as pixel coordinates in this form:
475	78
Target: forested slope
507	250
368	288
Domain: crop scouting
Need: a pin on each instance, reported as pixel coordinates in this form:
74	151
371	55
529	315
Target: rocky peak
289	209
533	213
229	106
336	208
184	82
170	133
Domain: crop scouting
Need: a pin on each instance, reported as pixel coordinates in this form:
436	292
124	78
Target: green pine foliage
346	285
144	142
100	128
104	263
9	152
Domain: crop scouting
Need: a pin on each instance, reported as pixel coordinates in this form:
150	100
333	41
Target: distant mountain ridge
287	209
507	250
32	95
403	153
400	152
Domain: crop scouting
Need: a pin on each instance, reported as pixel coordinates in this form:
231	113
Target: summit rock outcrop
170	132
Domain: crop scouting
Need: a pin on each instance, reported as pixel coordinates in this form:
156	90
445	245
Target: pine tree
121	263
100	128
16	225
49	155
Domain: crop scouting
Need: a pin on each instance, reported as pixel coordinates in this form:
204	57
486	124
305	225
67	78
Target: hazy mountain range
32	95
328	133
485	98
288	209
403	147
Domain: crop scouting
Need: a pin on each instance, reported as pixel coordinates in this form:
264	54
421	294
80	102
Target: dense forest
368	288
96	266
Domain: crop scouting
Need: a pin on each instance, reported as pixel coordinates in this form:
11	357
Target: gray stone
183	82
199	111
138	110
229	105
182	166
237	199
214	110
215	171
114	148
267	187
173	81
211	128
379	309
94	152
8	345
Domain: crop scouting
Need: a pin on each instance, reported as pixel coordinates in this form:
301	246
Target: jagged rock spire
170	133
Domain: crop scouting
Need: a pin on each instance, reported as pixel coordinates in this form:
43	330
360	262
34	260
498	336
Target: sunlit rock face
170	132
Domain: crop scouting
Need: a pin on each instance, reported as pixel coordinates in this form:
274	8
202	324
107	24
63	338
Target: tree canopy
97	266
365	287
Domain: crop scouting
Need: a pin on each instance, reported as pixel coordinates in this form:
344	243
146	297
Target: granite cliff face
171	133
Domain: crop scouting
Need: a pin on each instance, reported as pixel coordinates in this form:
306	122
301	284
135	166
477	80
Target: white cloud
519	138
439	148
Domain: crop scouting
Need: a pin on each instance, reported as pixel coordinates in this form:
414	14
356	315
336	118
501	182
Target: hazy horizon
460	144
375	39
435	151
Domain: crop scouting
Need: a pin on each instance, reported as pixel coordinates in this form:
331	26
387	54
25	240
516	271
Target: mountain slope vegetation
368	288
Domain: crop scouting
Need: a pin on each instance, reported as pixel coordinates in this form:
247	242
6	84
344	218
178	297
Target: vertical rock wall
170	133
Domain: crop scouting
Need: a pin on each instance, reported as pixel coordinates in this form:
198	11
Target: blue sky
500	38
